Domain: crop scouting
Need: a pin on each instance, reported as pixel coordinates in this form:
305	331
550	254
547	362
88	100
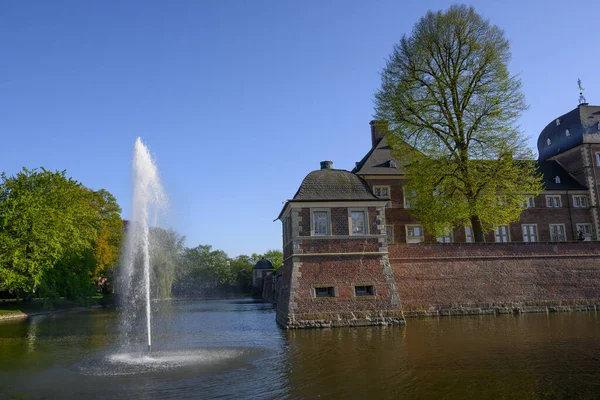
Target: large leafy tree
46	219
453	106
167	248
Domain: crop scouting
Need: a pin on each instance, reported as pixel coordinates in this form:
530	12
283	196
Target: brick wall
496	278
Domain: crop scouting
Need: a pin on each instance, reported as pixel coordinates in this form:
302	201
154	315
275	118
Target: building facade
342	229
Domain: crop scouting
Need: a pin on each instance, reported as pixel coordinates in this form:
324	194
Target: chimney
326	164
379	129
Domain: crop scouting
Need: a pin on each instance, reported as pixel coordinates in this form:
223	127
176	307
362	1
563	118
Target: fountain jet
148	199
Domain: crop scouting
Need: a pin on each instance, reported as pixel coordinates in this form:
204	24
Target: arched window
567	133
557	121
548	141
557	179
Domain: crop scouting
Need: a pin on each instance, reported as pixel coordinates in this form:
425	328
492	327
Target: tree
167	248
453	106
202	268
45	218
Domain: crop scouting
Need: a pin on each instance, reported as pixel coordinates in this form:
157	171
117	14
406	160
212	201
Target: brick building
342	229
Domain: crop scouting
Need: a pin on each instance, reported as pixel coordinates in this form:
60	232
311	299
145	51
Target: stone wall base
502	308
341	319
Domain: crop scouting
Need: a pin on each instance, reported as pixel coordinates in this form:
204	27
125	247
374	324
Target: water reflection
68	356
529	356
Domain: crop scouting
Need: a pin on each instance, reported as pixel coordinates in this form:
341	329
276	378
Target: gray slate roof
582	123
263	264
550	169
333	184
377	161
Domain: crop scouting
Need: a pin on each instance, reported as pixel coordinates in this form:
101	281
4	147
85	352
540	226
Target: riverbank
10	310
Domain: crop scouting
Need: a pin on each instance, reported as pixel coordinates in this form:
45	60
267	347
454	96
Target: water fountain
135	291
148	200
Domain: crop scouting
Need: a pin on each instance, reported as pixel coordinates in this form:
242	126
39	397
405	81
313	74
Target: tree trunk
477	229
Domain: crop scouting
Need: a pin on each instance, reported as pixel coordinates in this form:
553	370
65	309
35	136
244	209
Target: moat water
232	349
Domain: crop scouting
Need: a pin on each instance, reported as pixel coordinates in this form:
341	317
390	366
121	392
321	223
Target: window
410	197
445	238
529	233
501	234
468	234
392	164
320	222
552	201
557	232
557	121
548	142
529	202
389	233
358	221
364	290
584	232
557	179
257	273
580	201
383	192
598	159
328	291
567	133
414	233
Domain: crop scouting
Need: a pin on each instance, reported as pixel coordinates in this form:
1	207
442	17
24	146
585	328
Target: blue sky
239	100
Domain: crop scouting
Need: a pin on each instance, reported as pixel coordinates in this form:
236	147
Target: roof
263	264
333	185
550	169
583	125
377	161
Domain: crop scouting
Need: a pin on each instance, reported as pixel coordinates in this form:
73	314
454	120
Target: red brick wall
431	278
339	245
342	273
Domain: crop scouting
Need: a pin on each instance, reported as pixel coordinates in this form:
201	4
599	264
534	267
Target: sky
239	100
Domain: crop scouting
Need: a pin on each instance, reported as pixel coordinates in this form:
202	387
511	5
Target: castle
354	255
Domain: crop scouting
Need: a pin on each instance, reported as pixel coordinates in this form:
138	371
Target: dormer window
548	142
567	133
557	121
557	179
392	164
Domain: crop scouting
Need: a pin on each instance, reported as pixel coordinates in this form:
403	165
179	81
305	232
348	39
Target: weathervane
582	99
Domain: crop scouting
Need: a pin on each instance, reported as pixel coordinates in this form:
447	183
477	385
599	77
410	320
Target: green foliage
203	267
453	106
56	236
166	256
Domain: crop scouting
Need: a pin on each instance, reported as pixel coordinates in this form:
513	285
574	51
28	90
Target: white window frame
377	188
499	237
598	158
389	233
553	202
582	225
579	199
529	202
468	234
558	239
312	221
528	236
409	201
414	239
365	211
